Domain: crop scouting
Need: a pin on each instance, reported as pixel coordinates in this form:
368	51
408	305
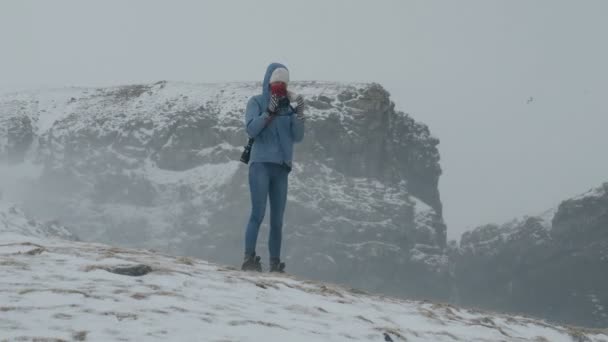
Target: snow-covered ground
59	290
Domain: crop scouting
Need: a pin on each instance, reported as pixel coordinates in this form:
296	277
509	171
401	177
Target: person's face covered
279	89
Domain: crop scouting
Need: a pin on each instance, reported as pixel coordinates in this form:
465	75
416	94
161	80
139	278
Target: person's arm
255	119
297	120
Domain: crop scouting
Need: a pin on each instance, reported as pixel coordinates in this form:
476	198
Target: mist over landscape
453	153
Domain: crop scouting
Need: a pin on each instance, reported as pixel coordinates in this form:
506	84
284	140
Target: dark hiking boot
252	263
277	266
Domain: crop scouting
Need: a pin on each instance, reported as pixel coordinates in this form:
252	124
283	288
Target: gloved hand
273	104
298	100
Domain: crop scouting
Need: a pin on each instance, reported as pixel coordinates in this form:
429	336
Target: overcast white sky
465	68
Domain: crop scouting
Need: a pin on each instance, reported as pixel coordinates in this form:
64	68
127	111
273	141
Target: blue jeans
266	181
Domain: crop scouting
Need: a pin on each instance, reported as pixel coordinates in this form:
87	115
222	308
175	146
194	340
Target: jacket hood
265	84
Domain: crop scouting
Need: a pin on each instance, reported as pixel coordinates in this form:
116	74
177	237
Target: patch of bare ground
266	324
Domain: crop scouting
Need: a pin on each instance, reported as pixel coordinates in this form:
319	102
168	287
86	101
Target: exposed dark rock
19	137
133	271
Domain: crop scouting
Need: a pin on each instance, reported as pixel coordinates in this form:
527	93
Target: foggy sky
467	69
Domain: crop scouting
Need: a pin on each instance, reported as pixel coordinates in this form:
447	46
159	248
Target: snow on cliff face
156	166
58	290
552	265
14	221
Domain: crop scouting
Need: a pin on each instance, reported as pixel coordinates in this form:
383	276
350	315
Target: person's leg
278	199
258	186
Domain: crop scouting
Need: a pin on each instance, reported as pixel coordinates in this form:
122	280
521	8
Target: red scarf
279	89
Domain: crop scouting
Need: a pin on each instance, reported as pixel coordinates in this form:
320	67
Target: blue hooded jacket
273	142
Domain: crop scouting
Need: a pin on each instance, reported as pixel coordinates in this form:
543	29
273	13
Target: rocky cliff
156	166
553	265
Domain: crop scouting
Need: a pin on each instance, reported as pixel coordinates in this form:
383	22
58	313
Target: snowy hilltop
58	290
156	166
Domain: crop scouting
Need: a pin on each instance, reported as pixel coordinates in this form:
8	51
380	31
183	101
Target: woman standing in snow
275	120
